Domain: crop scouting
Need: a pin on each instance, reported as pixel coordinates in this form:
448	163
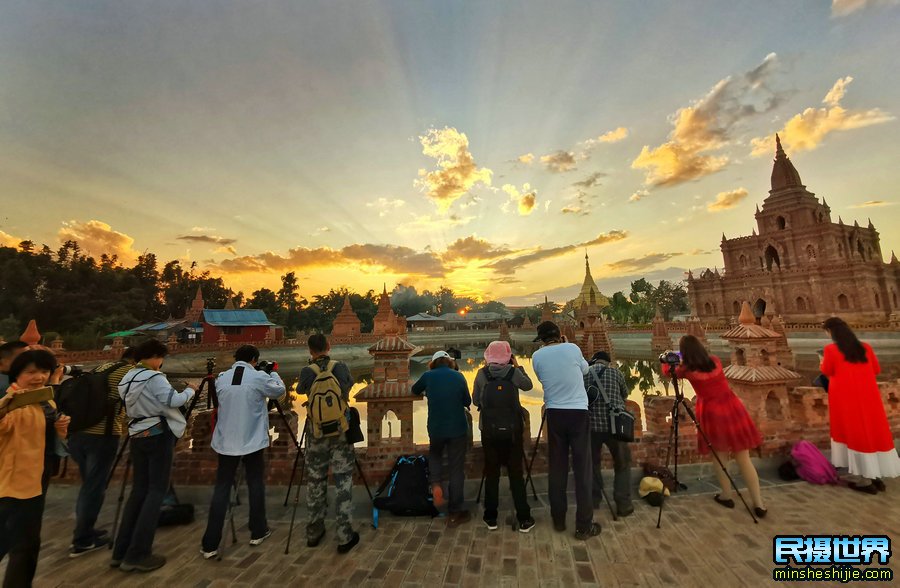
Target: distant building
590	294
244	325
800	262
425	322
472	320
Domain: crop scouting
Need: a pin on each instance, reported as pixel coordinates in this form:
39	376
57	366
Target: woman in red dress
861	438
722	417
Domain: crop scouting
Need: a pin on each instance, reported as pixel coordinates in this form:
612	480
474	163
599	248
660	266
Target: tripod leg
121	499
480	487
534	453
299	446
287	547
533	491
116	462
612	511
237	501
363	476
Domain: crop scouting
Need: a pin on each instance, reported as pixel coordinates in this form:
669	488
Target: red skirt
727	424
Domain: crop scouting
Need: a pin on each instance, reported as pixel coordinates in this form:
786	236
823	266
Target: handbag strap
596	377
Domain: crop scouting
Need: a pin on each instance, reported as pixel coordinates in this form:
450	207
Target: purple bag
812	466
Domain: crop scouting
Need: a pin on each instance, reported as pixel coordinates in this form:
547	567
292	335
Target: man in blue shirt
241	433
560	367
448	430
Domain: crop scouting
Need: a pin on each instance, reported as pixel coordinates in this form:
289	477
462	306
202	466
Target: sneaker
209	554
437	495
99	543
259	540
526	525
148	564
458	518
559	526
491	524
345	547
315	540
591	531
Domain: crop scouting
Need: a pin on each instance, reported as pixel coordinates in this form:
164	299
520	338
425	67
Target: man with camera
611	390
327	384
242	434
560	367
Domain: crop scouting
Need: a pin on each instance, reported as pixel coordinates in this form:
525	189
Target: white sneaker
209	554
260	540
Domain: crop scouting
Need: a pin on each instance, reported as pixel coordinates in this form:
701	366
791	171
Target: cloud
873	204
638	195
508	280
457	171
841	8
429	223
509	265
322	229
7	240
385	206
640	263
97	237
707	126
559	161
226	249
807	130
590	181
202	229
578	205
472	248
613	136
525	199
726	200
527	159
212	239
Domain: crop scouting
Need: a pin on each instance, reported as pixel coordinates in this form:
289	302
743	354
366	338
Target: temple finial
779	152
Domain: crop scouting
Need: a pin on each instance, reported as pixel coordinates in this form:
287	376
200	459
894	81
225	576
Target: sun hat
498	352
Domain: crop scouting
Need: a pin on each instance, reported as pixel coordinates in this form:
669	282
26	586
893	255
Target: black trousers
151	460
455	449
570	431
511	454
254	470
20	537
621	455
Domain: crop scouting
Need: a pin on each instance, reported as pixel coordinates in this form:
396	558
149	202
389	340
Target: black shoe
99	543
526	525
624	512
349	544
868	488
559	526
879	484
591	531
147	564
760	512
726	502
491	524
314	541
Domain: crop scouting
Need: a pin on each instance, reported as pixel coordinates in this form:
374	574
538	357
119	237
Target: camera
267	366
210	365
454	353
73	370
670	357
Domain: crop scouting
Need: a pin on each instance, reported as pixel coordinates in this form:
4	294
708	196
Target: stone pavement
699	544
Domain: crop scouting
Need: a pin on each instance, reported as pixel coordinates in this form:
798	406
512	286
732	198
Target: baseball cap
600	356
546	330
439	354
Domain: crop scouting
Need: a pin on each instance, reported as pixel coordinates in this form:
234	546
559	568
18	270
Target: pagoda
346	323
660	340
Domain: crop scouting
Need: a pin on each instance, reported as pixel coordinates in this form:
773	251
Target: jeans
94	455
254	469
507	453
151	459
621	454
20	537
455	449
569	430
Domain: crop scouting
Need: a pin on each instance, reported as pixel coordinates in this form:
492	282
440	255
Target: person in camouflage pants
333	452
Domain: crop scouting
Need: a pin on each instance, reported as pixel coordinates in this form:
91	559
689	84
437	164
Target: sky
485	146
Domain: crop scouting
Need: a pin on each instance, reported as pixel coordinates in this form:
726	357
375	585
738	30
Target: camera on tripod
454	353
670	357
73	370
267	366
210	365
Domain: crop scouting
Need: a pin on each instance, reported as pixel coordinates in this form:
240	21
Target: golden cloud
7	240
873	204
559	161
212	239
807	130
590	181
527	159
509	265
613	136
524	199
457	171
726	200
638	195
844	7
640	263
707	125
473	248
96	238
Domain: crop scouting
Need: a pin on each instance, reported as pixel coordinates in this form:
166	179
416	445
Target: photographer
614	388
241	434
156	424
561	367
496	394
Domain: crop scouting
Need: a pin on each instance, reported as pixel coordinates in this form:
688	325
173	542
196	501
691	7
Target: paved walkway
699	544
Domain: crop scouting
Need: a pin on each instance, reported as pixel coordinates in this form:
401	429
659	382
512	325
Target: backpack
173	512
812	466
406	492
501	412
326	409
85	399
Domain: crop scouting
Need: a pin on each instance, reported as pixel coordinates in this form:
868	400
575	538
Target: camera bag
406	491
85	399
621	422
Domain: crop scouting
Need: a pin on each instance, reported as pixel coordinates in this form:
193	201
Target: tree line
82	298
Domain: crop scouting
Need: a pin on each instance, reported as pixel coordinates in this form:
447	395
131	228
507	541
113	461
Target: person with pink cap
496	394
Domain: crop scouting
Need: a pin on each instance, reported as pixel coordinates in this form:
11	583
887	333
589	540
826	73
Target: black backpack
85	399
407	491
173	512
501	412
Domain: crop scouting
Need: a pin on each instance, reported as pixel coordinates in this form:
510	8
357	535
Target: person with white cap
448	427
496	394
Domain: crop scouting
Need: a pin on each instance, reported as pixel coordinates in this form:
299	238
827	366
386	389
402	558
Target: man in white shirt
560	367
241	434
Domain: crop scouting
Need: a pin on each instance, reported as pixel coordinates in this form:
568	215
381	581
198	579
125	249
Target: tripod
673	441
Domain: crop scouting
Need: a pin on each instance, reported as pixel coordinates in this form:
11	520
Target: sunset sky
481	145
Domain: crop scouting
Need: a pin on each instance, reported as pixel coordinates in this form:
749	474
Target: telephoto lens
73	370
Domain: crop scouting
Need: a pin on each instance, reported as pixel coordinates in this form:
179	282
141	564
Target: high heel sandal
726	502
760	512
